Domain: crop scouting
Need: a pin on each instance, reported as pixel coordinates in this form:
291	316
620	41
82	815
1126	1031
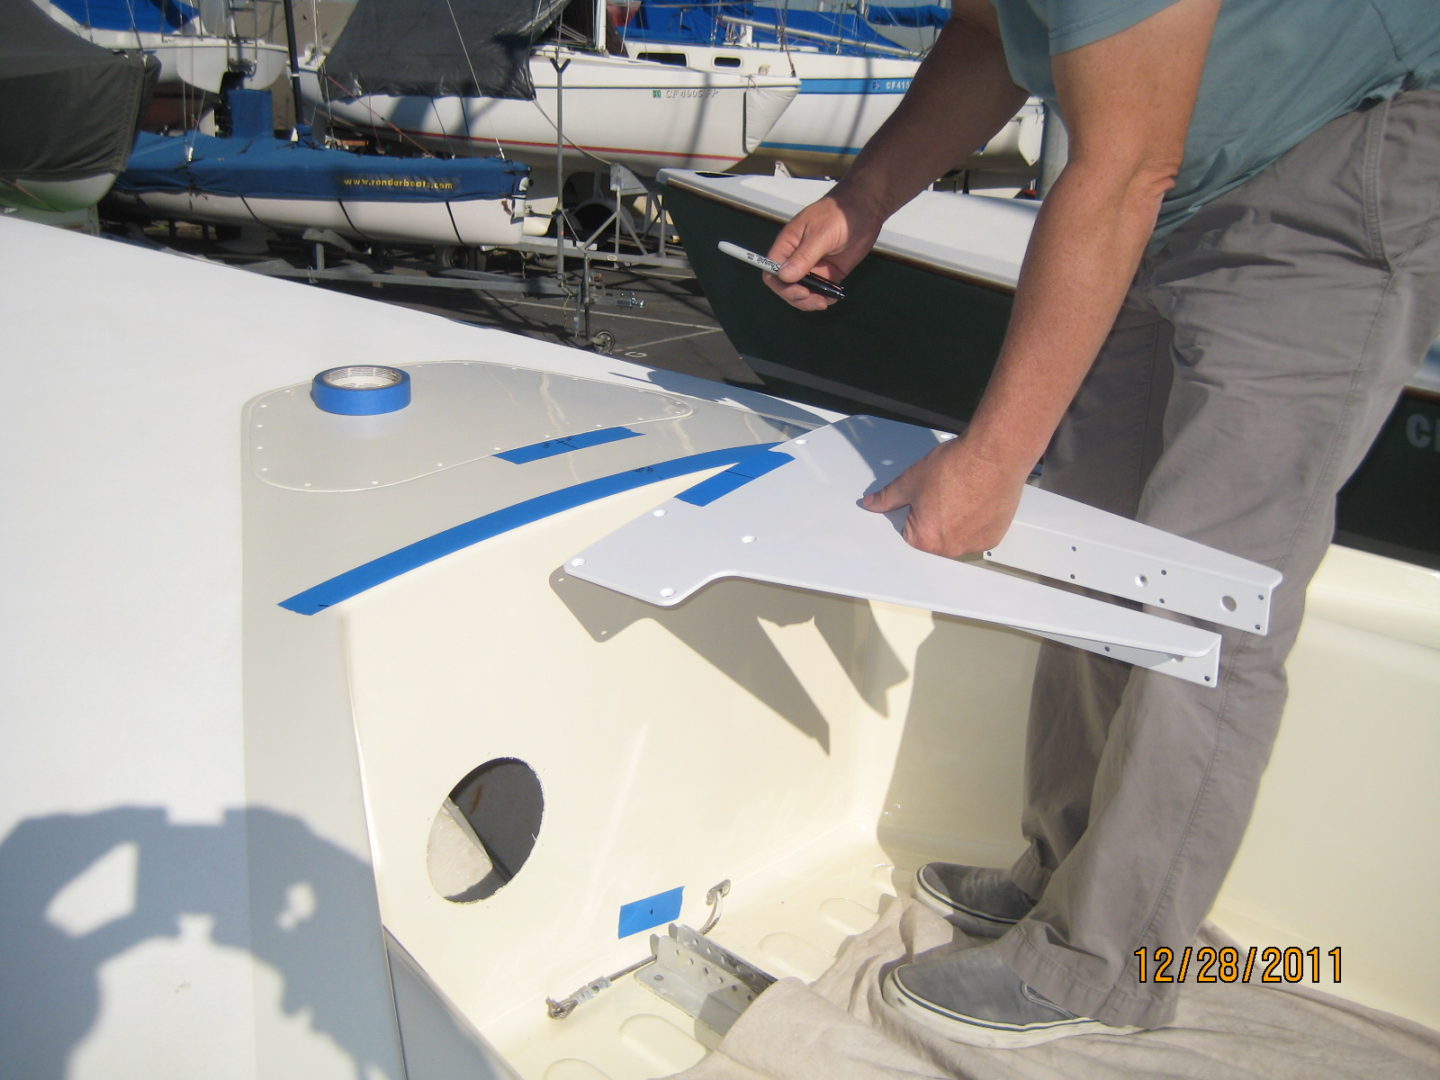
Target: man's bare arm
960	97
1127	100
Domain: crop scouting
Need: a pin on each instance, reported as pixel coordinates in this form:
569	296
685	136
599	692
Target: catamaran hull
641	115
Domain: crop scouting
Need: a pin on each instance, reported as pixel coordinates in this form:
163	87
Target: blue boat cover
696	23
147	16
251	113
266	167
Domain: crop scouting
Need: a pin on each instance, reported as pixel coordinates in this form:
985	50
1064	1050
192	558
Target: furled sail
439	47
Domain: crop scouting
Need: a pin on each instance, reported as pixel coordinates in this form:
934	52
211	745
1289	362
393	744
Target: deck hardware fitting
705	981
558	1010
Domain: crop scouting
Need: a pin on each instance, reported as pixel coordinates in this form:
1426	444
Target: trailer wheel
603	342
455	257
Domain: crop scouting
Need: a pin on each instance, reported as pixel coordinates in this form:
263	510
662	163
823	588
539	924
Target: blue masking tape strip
738	475
554	447
343	586
653	911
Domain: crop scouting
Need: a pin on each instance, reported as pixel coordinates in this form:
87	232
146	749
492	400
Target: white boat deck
217	809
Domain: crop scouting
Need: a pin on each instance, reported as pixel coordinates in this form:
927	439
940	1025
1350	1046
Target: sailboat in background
851	77
250	177
476	78
199	54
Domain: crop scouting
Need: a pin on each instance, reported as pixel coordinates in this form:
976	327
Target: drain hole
485	830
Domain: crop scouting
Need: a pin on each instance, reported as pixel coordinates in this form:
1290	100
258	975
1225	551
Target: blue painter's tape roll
361	390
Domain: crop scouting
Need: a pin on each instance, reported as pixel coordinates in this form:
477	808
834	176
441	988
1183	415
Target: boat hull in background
842	102
641	115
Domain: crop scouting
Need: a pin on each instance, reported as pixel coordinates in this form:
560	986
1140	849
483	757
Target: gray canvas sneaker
979	900
970	996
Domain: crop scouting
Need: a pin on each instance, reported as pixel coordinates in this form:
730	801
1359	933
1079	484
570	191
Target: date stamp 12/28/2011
1207	964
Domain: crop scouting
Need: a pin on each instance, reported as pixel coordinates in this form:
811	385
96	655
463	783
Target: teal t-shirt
1277	70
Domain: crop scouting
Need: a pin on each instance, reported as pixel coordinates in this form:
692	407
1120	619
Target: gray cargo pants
1252	365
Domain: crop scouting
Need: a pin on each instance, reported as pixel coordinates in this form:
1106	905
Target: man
1225	291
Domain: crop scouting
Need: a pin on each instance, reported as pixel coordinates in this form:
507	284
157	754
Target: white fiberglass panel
460	411
790	517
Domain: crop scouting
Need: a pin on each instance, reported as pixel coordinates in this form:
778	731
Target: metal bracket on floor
558	1010
702	979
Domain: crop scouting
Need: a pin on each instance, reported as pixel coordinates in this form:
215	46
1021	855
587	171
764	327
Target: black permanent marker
813	282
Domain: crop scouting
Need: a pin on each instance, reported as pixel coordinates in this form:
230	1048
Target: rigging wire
474	81
464	45
376	119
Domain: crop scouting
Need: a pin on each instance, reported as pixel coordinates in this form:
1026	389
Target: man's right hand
827	238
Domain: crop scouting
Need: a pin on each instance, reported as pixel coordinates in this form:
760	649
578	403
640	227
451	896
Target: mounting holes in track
484	831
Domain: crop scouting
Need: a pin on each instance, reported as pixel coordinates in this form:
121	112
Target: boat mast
294	54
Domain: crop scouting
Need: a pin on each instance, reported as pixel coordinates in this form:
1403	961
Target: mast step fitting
702	979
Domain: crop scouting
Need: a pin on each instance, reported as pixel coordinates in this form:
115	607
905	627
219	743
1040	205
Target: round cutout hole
485	830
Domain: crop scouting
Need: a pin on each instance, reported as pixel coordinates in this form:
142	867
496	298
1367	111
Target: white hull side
841	103
204	62
192	59
473	222
55	196
644	116
843	100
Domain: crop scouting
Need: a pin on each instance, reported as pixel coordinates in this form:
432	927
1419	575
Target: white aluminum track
791	517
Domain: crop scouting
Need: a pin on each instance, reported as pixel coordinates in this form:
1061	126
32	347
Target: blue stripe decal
813	148
738	475
554	447
651	912
353	582
854	86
